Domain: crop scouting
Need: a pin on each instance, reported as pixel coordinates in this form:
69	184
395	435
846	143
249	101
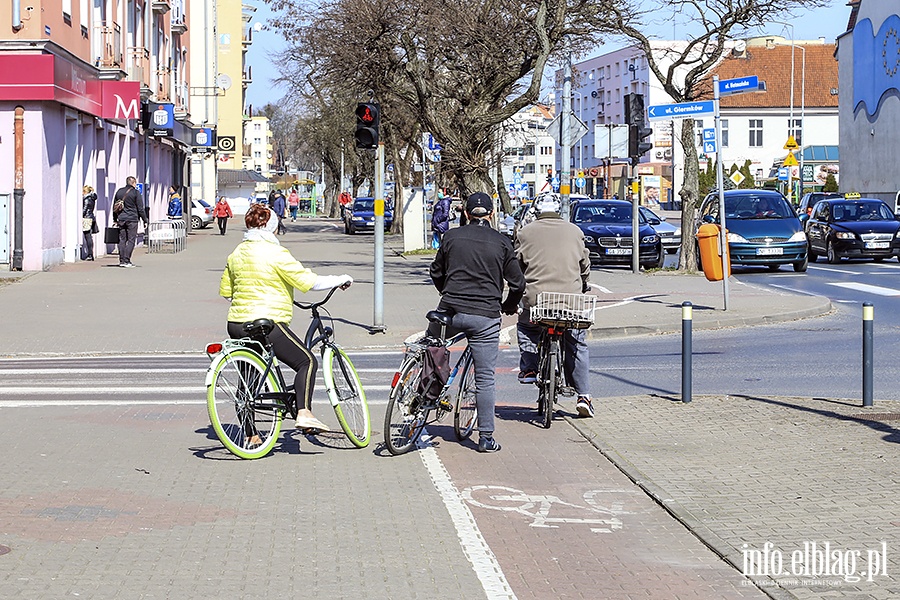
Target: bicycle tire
230	383
547	389
465	413
404	420
347	396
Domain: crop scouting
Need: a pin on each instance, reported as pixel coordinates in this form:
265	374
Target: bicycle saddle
260	328
440	317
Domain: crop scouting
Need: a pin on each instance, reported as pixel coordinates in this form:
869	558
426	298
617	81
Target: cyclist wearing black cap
469	270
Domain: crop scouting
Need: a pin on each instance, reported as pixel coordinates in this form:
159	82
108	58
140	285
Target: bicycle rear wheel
465	414
246	427
347	396
405	419
547	388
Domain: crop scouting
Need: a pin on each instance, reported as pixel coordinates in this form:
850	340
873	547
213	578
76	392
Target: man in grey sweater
554	258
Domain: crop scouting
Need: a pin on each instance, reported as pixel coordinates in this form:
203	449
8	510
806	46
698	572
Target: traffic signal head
637	146
368	118
634	109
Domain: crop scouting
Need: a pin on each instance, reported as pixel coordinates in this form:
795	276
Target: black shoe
488	444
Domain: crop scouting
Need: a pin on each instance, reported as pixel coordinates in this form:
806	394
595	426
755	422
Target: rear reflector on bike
214	348
395	379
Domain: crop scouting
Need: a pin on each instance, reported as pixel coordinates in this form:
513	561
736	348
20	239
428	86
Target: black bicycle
247	397
408	412
555	313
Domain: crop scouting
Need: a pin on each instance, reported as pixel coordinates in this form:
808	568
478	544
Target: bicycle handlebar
313	305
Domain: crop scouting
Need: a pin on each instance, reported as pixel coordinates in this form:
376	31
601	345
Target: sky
811	25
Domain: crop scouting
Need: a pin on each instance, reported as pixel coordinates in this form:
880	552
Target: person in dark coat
88	222
132	212
440	219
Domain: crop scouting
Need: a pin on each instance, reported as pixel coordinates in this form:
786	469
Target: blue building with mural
869	81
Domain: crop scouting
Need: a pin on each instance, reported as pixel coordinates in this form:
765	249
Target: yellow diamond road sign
790	160
791	144
737	177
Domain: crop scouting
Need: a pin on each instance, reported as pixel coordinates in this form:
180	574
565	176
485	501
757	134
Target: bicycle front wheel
465	415
247	428
405	419
347	396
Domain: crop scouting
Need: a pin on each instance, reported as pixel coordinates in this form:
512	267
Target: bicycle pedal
445	405
567	391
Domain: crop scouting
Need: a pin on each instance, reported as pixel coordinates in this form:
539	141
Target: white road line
790	289
833	270
474	546
599	287
865	287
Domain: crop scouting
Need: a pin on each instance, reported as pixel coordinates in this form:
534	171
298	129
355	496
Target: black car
607	233
855	228
809	200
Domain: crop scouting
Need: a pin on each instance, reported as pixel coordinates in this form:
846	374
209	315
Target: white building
528	152
260	157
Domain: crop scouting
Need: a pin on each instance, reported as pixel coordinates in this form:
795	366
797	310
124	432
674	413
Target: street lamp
802	101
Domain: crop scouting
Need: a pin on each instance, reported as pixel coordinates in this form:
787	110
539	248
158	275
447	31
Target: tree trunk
688	193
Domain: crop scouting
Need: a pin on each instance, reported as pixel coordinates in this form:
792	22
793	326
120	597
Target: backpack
435	372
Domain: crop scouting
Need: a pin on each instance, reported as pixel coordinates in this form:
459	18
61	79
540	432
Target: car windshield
861	211
605	213
757	206
364	204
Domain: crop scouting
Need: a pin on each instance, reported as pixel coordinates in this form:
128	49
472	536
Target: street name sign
659	112
739	85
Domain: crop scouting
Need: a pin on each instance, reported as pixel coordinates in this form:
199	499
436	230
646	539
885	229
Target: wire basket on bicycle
555	309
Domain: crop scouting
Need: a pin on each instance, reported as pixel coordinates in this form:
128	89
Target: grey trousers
127	239
578	360
483	336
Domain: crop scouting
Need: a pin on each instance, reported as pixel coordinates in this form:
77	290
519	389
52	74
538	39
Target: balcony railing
110	51
139	64
181	98
248	75
163	85
178	17
161	6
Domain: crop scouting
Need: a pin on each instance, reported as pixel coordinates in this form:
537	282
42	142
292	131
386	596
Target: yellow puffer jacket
260	278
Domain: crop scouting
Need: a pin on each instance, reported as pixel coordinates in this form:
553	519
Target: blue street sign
517	179
783	174
579	182
522	187
739	85
709	135
684	110
709	147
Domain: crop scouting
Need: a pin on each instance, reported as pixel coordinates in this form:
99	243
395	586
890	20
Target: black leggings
290	350
223	222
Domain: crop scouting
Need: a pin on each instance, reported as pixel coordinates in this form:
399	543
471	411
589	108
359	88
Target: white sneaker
584	408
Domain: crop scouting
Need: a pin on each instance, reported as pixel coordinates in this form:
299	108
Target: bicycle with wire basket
408	412
247	397
556	312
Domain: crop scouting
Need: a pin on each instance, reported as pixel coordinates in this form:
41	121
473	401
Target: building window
723	124
67	11
698	125
796	131
756	133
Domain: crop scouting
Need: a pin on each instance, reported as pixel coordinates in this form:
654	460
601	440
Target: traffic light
368	118
549	175
637	127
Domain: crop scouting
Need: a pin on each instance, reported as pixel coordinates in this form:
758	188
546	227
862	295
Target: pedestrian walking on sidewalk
553	257
176	209
279	207
440	219
127	219
293	203
88	222
469	270
259	279
222	212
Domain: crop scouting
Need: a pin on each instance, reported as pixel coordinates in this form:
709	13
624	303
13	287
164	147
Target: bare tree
457	69
683	71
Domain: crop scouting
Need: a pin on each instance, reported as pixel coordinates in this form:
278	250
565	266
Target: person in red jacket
221	212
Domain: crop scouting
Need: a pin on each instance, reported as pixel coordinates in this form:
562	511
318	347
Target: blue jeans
483	336
578	360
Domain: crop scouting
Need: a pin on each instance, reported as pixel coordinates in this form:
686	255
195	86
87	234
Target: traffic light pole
378	321
635	231
565	144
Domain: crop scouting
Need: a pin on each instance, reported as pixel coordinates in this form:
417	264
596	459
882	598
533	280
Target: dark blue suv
360	216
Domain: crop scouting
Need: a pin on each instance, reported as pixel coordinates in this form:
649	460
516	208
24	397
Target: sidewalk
170	303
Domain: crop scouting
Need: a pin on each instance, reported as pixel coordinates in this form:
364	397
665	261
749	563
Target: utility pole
564	143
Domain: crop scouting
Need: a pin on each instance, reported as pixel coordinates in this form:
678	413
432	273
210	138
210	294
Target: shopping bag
111	235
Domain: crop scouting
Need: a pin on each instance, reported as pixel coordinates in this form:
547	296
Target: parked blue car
763	229
360	216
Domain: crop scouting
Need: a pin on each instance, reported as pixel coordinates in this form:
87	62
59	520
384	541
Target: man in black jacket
127	219
469	270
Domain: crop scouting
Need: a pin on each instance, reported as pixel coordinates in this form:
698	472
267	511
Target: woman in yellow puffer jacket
259	279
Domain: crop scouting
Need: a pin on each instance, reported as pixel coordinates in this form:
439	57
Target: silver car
669	234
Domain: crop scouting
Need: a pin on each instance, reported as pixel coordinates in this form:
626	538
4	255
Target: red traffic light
365	114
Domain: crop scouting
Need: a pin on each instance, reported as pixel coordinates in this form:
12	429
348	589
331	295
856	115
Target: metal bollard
687	316
868	336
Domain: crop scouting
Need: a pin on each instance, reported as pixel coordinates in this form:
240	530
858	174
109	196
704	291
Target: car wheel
196	223
699	261
800	267
833	257
662	258
352	230
812	256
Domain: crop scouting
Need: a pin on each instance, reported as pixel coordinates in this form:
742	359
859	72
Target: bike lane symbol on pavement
538	507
